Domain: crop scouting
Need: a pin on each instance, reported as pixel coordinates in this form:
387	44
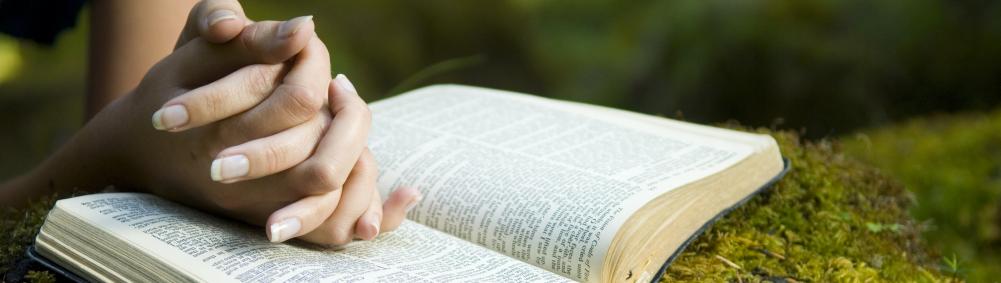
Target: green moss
829	219
19	227
953	166
40	277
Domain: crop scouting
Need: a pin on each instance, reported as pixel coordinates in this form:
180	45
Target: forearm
126	38
89	161
67	170
62	173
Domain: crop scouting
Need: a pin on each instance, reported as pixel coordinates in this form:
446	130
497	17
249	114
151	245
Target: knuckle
321	124
321	177
366	161
366	113
356	109
261	78
301	103
249	38
274	156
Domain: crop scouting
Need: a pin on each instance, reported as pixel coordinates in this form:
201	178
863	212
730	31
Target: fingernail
170	117
284	230
220	16
288	28
374	223
342	81
230	167
414	202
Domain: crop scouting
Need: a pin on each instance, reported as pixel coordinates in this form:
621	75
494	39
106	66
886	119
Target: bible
516	188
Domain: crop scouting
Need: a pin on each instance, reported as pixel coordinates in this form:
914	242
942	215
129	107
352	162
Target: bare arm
159	137
126	38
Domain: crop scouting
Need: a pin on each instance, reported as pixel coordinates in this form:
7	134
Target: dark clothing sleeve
38	20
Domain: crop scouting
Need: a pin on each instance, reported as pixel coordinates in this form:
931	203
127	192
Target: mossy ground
952	163
17	230
829	219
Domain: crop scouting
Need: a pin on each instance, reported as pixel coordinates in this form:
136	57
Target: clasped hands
248	123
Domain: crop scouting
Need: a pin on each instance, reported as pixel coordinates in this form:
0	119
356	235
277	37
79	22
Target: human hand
276	135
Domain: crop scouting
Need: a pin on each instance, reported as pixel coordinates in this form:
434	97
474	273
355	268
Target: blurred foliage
880	59
831	219
41	104
10	59
953	166
826	65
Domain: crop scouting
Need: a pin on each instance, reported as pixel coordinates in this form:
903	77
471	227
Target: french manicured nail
342	82
284	230
170	117
230	167
414	202
221	15
374	224
290	27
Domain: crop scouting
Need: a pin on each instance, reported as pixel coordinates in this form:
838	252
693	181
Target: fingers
199	62
356	197
280	121
312	68
268	155
329	218
299	98
216	21
226	97
395	209
370	222
301	217
342	144
288	106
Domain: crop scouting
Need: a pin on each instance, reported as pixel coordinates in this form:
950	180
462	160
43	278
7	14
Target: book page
546	182
214	250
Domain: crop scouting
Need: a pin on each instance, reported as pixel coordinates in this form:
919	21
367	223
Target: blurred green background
831	68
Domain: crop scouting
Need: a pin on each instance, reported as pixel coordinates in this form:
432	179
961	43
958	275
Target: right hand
260	126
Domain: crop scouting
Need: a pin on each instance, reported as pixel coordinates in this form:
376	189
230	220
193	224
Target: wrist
103	146
89	161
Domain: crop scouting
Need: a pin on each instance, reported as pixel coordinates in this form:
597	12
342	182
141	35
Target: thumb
216	21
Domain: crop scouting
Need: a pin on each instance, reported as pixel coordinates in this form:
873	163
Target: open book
516	188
